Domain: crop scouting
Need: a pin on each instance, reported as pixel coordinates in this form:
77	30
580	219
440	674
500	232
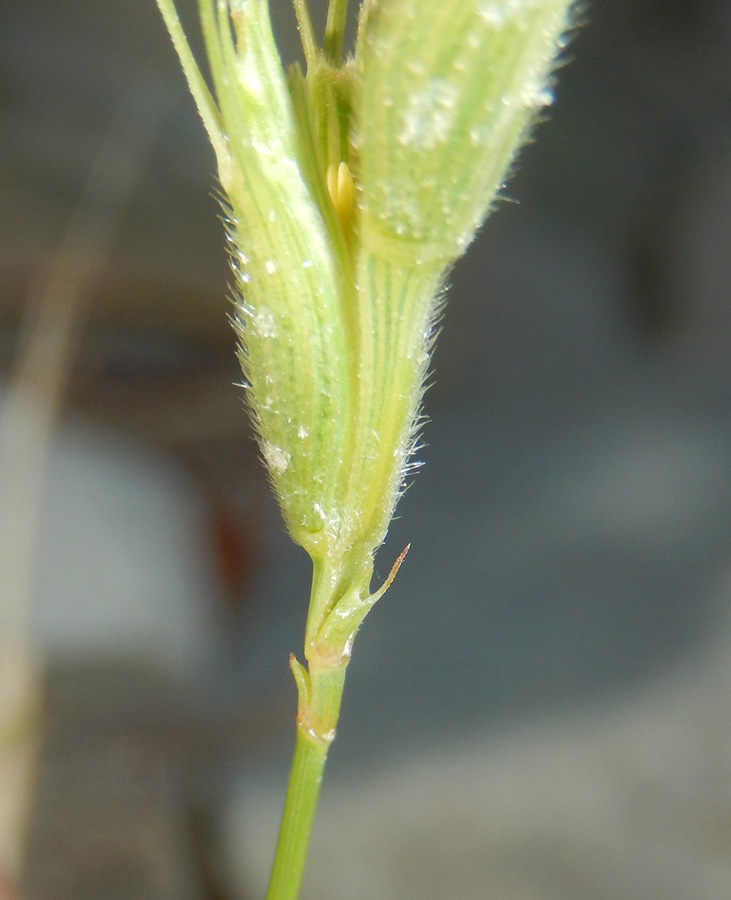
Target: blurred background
539	709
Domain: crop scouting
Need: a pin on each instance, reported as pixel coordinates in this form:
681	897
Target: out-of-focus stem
32	402
332	45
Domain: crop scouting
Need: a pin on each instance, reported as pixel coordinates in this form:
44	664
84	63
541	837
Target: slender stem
316	721
307	34
198	87
299	810
332	45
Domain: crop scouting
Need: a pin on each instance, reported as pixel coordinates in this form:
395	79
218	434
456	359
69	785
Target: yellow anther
342	193
346	196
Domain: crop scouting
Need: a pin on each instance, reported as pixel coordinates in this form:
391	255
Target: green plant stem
199	89
307	35
332	44
316	720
